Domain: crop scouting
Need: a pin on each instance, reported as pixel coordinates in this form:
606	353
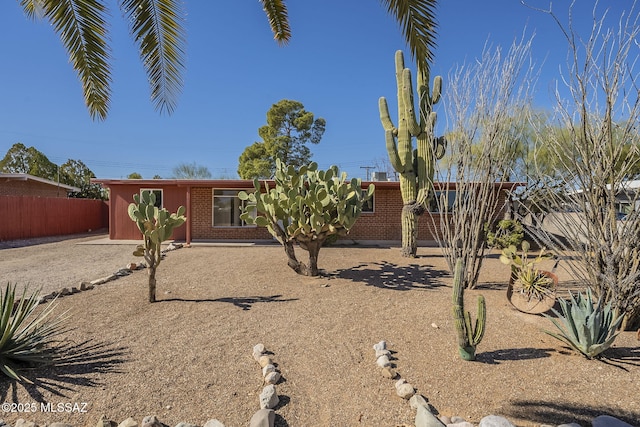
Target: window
367	207
441	198
157	192
227	208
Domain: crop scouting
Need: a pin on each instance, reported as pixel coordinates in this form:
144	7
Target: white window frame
155	190
213	207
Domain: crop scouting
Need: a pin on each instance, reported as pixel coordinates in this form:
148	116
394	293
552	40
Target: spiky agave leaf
26	337
589	329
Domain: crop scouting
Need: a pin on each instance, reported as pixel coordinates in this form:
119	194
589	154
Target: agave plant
531	281
588	328
26	337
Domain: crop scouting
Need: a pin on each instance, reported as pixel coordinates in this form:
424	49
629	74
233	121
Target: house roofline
27	177
247	183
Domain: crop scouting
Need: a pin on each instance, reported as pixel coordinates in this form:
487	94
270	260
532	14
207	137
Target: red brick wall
381	224
384	223
30	188
202	221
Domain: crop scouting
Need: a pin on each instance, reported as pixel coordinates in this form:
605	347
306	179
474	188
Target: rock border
88	285
426	415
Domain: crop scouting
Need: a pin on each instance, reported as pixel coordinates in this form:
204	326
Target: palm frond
418	24
83	32
157	28
276	11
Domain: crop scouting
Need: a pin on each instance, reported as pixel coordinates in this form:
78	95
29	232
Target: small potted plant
531	289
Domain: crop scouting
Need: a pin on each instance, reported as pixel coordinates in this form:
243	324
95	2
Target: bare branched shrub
487	103
594	141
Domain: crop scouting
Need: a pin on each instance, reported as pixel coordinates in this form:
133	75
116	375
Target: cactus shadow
244	303
513	354
556	413
81	365
386	275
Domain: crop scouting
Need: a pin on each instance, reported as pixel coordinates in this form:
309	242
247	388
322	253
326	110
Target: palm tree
157	29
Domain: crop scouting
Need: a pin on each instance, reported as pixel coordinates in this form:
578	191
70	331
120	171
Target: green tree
20	159
157	29
285	136
191	171
134	175
77	174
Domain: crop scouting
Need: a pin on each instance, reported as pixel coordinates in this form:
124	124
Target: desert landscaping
188	357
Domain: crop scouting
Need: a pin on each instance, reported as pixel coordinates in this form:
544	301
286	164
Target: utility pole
368	168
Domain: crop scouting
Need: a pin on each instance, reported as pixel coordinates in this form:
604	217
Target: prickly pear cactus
416	167
156	226
305	207
468	337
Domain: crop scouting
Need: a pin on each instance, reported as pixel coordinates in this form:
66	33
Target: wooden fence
25	217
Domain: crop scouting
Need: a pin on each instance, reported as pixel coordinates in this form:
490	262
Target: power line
368	168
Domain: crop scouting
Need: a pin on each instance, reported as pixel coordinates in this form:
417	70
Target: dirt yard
189	358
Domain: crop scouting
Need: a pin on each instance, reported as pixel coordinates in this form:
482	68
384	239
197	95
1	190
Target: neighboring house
22	184
213	210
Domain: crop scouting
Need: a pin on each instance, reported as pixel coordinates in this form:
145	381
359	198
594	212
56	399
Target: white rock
258	351
424	418
272	378
389	372
267	369
129	422
213	423
263	418
495	421
264	361
383	361
269	398
382	353
382	345
418	400
405	391
608	421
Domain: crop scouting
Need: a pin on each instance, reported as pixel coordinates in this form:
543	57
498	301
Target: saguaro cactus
415	167
468	337
156	226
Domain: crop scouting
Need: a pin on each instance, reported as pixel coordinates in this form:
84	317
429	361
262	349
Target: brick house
213	210
22	184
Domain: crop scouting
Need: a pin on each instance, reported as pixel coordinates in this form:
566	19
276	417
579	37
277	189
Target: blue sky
339	62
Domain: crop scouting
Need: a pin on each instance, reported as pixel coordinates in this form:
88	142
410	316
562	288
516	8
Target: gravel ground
51	263
188	356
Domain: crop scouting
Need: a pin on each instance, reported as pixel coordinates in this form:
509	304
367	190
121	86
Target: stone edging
426	414
86	286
